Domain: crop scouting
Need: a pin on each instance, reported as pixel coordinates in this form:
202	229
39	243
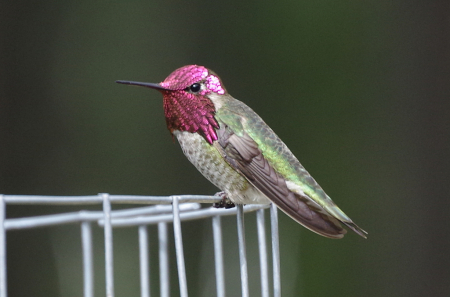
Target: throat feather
192	113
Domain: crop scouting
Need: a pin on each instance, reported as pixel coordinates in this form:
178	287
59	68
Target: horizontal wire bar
64	200
95	199
86	215
124	218
185	216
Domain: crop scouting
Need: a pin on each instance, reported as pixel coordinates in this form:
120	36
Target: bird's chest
210	163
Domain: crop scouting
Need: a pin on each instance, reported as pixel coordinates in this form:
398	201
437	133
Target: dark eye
194	88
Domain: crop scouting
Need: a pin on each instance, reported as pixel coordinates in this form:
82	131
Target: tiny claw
224	203
229	204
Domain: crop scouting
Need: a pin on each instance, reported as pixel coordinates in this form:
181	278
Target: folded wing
242	153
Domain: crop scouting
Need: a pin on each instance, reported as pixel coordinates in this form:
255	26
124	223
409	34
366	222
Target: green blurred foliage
357	89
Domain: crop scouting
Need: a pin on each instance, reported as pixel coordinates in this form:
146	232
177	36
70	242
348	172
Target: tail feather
311	217
358	230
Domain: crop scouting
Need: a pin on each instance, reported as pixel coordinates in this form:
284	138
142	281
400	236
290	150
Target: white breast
210	163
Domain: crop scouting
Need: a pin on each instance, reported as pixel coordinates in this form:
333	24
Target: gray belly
210	163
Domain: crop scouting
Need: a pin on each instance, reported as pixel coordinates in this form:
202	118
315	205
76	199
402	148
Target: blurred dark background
359	91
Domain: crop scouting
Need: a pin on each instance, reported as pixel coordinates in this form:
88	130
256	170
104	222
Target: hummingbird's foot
225	202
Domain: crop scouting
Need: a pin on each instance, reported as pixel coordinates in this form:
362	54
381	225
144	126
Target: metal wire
242	251
176	210
109	268
88	264
3	284
144	261
275	251
260	224
218	256
179	248
164	279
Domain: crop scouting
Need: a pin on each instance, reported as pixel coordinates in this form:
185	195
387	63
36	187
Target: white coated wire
164	277
275	251
264	271
218	256
242	250
179	248
144	261
3	277
109	268
88	264
163	211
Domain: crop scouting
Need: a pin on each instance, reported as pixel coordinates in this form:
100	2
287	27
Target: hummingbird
240	154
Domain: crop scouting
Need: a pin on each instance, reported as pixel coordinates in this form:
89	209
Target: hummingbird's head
187	106
193	79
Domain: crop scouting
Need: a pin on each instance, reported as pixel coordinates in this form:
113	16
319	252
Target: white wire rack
164	210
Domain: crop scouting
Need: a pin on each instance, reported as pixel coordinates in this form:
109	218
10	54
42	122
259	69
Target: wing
246	155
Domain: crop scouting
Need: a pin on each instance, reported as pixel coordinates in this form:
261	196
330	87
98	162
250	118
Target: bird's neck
188	112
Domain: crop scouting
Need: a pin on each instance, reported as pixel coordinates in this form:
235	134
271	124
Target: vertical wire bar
242	252
275	251
88	265
179	247
3	283
109	265
164	280
144	261
218	256
260	223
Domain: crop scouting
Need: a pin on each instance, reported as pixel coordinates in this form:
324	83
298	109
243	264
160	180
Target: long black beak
142	84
